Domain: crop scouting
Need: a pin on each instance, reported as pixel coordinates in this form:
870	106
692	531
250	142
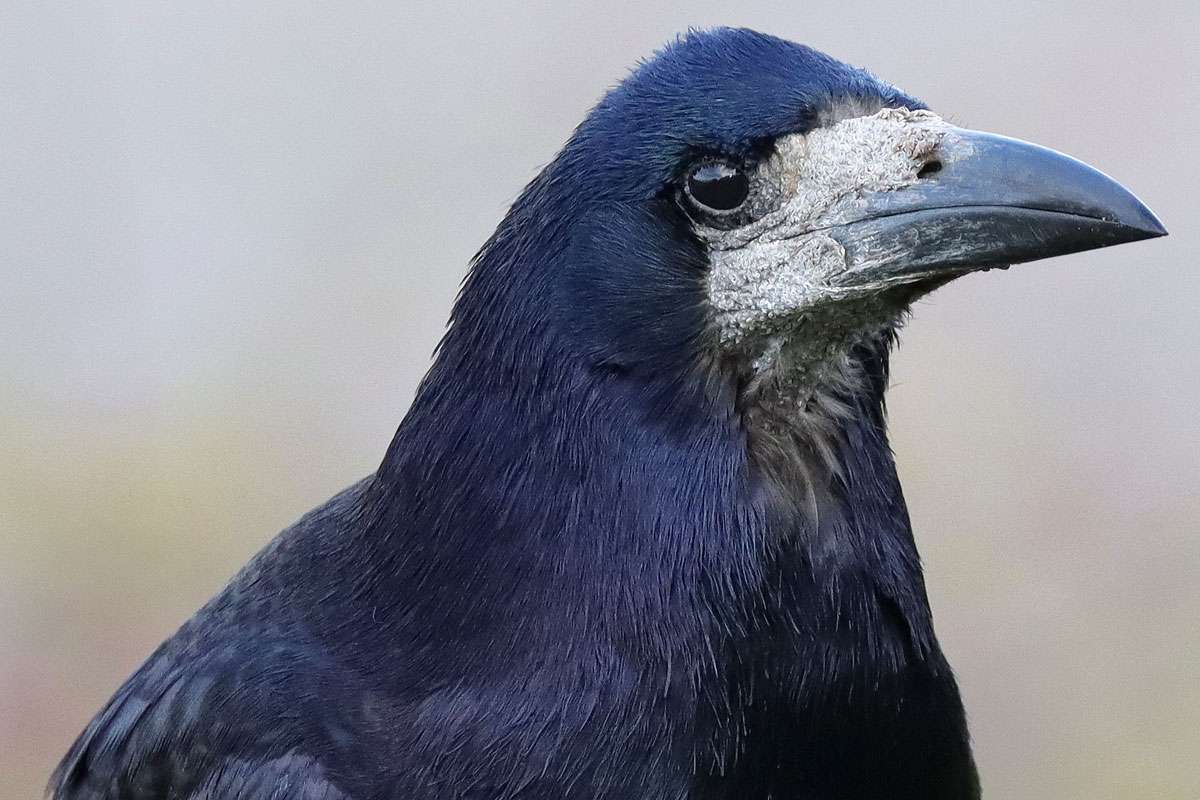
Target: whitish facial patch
767	273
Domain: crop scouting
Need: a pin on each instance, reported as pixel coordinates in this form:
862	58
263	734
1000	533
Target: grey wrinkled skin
776	284
766	274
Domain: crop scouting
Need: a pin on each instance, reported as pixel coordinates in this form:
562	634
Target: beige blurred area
230	234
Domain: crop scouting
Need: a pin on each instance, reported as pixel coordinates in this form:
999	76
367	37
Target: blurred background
230	235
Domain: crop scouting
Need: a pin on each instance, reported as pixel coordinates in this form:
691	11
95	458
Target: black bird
640	534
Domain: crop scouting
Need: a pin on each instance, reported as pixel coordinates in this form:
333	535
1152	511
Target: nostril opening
931	168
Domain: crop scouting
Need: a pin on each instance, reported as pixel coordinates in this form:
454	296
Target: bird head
752	207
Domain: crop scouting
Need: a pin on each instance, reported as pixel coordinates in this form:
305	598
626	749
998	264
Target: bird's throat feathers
605	442
583	375
608	312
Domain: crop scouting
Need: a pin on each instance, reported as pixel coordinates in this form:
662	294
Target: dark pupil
719	186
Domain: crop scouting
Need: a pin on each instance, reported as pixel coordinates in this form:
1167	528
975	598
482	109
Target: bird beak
985	201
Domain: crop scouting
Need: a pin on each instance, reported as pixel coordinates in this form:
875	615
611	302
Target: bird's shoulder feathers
242	701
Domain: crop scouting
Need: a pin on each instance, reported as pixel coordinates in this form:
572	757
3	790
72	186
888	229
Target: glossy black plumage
568	579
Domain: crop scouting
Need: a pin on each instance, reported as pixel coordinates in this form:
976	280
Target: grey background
230	234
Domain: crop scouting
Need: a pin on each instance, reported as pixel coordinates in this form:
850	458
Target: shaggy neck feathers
579	438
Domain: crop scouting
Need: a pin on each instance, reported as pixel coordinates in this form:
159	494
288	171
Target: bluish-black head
748	207
722	93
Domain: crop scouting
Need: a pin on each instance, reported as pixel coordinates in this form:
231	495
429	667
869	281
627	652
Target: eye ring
719	187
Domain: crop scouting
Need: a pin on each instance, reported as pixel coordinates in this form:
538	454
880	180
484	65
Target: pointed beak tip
1139	226
1153	227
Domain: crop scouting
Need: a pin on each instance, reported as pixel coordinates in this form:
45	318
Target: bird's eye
718	186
